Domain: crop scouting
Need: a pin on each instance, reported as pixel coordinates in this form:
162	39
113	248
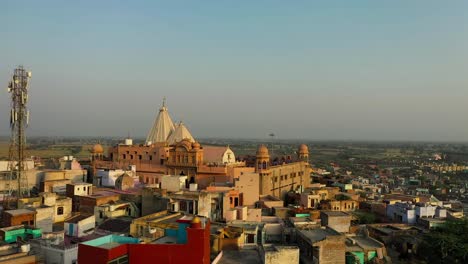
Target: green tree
365	217
446	244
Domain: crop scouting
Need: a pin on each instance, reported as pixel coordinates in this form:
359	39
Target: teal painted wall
12	235
360	255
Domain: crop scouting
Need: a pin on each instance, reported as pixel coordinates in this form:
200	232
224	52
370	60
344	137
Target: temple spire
162	127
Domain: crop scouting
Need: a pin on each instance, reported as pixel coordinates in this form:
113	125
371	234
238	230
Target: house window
140	157
124	156
60	210
150	157
131	156
121	260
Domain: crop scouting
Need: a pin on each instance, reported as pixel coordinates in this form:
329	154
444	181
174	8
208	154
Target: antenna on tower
19	119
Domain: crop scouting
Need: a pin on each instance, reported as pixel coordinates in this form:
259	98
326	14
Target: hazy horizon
328	71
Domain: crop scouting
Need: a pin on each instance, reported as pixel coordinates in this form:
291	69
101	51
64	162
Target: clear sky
359	70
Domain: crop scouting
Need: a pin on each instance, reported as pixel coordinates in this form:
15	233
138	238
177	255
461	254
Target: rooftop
318	234
111	241
248	256
116	225
77	218
335	213
99	194
19	212
165	240
79	183
365	243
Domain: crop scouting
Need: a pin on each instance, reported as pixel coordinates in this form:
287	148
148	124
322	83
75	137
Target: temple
170	149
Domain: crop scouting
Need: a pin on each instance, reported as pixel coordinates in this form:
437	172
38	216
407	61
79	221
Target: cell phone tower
19	120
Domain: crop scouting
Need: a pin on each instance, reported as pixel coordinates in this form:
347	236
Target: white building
108	177
410	213
52	249
80	225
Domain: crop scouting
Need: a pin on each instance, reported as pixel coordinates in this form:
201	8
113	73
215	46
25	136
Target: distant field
51	151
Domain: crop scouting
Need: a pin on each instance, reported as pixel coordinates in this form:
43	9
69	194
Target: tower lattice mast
19	119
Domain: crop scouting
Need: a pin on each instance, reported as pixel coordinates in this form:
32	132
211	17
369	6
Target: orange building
172	150
279	179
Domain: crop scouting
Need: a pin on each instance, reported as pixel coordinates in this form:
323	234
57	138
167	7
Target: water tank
128	141
193	187
25	248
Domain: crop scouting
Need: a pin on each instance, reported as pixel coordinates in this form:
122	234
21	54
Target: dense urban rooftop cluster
176	200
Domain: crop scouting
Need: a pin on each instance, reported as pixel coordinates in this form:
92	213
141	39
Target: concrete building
114	210
56	180
192	203
44	217
363	249
74	190
410	213
62	207
248	185
12	233
339	221
278	178
79	188
272	254
151	227
322	246
108	178
88	202
80	225
192	238
55	247
174	183
44	180
124	182
339	205
69	163
19	217
228	238
16	254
